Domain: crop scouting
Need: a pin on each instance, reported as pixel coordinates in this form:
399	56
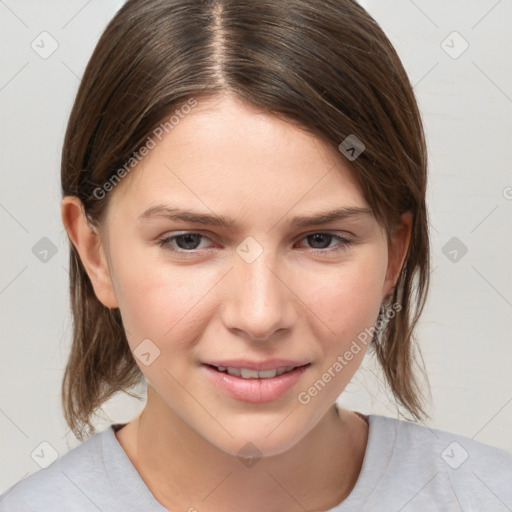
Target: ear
397	251
88	243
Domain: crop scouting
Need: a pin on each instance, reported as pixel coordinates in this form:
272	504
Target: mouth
247	373
255	386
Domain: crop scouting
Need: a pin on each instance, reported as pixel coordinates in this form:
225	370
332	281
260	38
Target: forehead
228	154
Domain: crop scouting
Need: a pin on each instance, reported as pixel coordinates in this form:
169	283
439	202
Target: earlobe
88	244
397	251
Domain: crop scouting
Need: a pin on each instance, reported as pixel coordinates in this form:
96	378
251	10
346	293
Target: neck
183	470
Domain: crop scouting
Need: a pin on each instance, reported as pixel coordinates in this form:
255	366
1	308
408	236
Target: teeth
245	373
249	374
268	374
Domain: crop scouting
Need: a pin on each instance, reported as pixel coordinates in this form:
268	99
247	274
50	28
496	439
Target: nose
258	301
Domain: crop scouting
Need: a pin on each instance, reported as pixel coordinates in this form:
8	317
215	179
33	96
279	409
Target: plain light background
465	96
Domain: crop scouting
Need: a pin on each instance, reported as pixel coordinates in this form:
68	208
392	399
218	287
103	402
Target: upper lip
269	364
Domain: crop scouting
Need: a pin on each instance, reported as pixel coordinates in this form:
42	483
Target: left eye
188	242
320	238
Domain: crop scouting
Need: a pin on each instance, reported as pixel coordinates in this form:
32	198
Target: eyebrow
325	217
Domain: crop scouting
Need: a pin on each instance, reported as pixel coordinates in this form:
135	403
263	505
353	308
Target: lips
260	366
255	390
246	373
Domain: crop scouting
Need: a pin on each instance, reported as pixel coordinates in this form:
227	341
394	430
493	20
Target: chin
264	438
257	444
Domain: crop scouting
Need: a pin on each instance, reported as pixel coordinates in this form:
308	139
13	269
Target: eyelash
165	242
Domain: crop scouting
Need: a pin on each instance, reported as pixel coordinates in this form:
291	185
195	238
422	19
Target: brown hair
325	65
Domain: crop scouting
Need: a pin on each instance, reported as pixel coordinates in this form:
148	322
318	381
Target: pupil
318	237
187	239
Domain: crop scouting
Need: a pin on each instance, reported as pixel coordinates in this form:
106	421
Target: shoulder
69	482
444	467
454	451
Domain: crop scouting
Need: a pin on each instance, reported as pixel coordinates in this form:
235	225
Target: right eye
187	242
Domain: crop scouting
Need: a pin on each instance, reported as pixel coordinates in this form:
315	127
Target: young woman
244	193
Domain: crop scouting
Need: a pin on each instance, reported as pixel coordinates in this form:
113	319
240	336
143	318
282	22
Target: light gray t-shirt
406	467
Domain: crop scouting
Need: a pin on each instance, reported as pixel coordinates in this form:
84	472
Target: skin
296	300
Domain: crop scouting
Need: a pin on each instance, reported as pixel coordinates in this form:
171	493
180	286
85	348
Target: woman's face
263	288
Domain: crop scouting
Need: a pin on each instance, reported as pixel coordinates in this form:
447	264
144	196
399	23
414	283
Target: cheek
347	297
159	301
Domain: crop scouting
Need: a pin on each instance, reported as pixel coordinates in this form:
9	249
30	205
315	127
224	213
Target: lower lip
255	390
